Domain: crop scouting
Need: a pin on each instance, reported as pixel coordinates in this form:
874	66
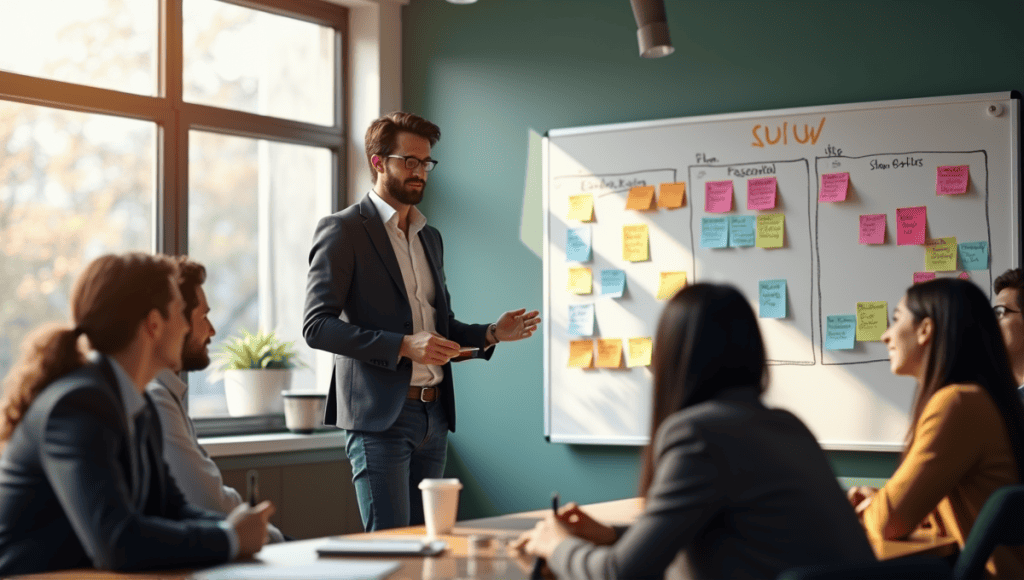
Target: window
228	150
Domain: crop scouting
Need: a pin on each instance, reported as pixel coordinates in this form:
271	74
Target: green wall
491	73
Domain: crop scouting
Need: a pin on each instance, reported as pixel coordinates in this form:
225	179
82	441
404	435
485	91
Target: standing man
191	467
1008	306
376	297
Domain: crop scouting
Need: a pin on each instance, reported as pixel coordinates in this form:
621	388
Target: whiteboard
891	150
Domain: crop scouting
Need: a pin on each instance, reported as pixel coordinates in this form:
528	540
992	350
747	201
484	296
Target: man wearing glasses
1008	308
376	297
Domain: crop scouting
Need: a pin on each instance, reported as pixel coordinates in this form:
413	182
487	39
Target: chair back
912	568
1000	523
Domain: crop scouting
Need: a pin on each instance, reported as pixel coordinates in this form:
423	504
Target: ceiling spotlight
652	28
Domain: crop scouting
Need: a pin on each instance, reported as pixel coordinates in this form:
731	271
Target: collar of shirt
133	401
172	382
389	215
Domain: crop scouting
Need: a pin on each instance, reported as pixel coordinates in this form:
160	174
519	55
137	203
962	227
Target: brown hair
382	134
191	276
110	298
1012	278
707	341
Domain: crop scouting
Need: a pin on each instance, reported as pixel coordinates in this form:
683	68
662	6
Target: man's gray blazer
357	308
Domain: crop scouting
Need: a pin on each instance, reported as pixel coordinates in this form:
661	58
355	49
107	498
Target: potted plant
257	367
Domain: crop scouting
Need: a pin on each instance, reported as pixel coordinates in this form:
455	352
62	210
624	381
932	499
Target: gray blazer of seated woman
733	489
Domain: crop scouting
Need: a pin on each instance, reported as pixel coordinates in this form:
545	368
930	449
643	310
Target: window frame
175	118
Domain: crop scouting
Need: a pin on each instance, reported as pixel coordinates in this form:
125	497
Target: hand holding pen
538	564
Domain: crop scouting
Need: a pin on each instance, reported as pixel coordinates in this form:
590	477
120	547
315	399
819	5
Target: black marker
253	478
538	564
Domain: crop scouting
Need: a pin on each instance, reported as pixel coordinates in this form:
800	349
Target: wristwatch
492	331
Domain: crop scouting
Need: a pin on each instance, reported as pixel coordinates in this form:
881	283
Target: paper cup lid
439	483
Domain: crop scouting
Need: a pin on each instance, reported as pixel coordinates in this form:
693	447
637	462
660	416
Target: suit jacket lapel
379	236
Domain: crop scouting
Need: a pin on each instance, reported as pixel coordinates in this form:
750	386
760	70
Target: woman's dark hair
967	347
708	340
109	300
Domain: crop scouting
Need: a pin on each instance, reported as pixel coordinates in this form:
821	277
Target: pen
253	478
538	564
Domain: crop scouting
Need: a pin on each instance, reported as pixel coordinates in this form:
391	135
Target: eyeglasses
414	162
1001	311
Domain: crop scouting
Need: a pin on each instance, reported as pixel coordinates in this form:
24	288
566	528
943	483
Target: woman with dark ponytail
82	479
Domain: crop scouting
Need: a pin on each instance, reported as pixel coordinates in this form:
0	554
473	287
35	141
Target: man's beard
194	357
398	190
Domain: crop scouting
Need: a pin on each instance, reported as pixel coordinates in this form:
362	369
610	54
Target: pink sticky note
951	179
923	277
910	225
964	276
761	193
718	196
872	228
834	186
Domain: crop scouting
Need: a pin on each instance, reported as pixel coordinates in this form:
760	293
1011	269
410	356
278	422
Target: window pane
253	206
257	62
73	186
104	43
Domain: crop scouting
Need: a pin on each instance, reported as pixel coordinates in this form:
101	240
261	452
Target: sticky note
671	282
940	255
613	283
910	225
581	319
964	276
872	320
872	228
718	196
770	229
714	232
577	245
581	354
761	193
609	353
772	295
840	331
672	195
974	255
833	187
923	277
581	280
634	243
742	231
640	349
581	207
640	197
951	179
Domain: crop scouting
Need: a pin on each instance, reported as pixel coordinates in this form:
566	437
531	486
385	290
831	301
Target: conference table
476	549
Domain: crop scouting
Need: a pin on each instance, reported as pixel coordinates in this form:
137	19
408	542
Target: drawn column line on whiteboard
698	172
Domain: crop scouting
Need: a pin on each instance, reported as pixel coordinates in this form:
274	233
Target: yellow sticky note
770	230
640	349
940	255
581	207
634	243
672	195
581	280
671	282
640	197
872	320
581	354
609	353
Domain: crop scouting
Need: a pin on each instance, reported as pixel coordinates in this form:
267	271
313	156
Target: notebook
381	547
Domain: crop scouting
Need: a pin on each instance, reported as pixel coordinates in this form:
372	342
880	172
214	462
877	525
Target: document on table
322	570
381	547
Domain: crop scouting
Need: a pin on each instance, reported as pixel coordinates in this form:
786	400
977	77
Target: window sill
272	443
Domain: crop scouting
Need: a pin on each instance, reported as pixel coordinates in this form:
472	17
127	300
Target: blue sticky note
772	294
974	255
613	283
714	232
840	331
577	245
742	231
581	320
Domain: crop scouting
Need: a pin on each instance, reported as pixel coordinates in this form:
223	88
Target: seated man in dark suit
82	479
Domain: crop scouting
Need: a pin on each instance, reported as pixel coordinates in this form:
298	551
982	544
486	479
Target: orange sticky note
581	207
581	354
670	283
672	195
640	197
634	243
581	280
609	353
640	349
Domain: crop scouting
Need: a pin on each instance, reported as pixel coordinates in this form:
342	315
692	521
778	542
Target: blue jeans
387	467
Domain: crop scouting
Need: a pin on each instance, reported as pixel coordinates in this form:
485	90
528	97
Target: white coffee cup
440	505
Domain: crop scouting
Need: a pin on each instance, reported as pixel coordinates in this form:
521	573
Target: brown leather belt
425	394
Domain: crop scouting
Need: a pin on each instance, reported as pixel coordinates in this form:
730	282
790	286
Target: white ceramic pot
255	391
304	410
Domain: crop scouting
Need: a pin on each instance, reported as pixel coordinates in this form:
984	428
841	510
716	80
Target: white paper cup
440	505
